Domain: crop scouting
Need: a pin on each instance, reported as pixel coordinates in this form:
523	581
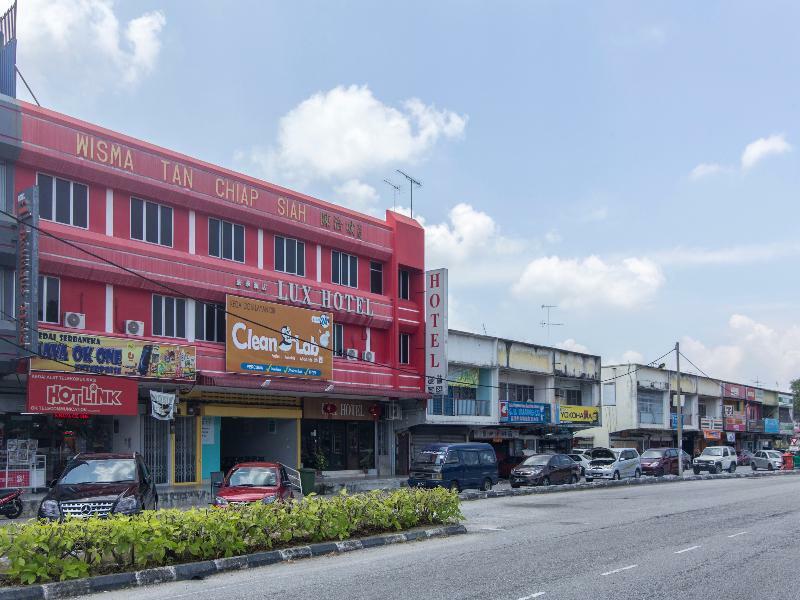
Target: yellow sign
67	351
278	339
578	414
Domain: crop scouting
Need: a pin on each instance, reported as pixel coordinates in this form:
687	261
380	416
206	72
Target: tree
796	391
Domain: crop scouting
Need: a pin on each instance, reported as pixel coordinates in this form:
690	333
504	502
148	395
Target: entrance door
401	459
155	448
352	446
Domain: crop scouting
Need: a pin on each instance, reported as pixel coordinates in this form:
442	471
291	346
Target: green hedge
40	551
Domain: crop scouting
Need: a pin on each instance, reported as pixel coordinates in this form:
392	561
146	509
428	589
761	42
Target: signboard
712	435
278	339
67	352
673	421
436	332
589	415
785	400
65	393
735	422
731	390
750	394
340	410
771	426
15	479
207	431
731	437
524	412
27	294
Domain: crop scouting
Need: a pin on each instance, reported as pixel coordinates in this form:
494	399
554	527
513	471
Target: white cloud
732	255
347	132
552	237
706	170
573	283
357	195
632	357
763	147
80	46
573	346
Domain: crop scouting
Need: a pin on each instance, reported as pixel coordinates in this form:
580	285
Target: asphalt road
732	539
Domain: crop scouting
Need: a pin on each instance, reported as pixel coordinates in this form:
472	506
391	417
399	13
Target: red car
663	461
255	482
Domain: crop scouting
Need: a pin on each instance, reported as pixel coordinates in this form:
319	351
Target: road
732	539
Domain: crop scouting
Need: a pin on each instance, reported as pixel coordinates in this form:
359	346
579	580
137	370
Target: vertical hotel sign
436	332
27	296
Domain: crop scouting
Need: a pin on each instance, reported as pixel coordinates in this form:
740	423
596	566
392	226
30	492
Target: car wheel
753	466
487	485
637	474
454	487
583	472
545	481
616	475
732	468
660	473
573	479
717	469
16	510
696	471
770	467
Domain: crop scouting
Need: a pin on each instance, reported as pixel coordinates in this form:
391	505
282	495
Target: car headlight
220	501
127	504
436	476
269	499
49	509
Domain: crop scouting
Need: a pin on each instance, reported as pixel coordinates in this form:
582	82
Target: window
569	396
487	457
338	339
470	457
290	256
151	222
452	457
7	289
404	348
63	201
516	393
209	322
49	299
225	240
651	408
404	288
169	316
375	277
344	269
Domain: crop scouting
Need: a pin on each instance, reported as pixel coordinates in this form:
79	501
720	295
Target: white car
583	460
614	463
715	459
766	459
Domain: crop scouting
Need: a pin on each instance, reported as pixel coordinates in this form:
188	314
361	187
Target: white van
614	463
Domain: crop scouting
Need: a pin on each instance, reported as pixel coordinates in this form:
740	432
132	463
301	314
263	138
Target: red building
169	238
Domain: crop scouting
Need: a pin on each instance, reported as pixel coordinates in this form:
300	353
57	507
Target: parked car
250	482
97	485
715	459
545	469
614	463
456	466
663	461
767	459
743	458
581	460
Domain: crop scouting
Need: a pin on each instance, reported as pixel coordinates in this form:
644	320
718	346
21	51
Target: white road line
536	595
737	534
493	529
686	550
618	570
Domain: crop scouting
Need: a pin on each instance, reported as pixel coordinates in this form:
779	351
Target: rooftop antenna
411	183
757	381
548	323
395	189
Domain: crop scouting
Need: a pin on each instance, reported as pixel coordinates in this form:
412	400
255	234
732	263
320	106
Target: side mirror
52	483
217	479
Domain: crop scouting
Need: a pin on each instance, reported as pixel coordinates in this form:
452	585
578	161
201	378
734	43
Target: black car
545	469
98	485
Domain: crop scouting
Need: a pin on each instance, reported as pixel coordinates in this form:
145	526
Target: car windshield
774	454
112	470
430	457
712	452
653	454
254	477
575	457
537	459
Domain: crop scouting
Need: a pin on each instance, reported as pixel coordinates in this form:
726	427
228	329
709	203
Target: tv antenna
548	323
395	190
411	183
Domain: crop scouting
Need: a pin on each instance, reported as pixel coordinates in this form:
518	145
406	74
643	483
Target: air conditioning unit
134	327
351	354
394	413
75	320
368	356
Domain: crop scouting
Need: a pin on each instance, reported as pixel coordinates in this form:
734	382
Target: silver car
766	459
614	463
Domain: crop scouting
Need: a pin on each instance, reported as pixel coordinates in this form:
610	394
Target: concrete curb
199	570
552	489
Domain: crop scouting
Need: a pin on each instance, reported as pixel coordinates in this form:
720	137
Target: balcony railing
441	405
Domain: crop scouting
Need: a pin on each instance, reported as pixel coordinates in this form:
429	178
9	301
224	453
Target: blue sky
633	163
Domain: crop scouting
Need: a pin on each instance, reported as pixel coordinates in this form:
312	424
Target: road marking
536	595
737	534
618	570
687	550
492	529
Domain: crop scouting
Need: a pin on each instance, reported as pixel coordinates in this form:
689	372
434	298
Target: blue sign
771	426
524	412
673	421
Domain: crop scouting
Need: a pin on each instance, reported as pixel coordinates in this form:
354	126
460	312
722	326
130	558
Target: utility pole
411	183
680	408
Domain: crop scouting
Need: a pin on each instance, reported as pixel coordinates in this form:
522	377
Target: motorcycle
11	503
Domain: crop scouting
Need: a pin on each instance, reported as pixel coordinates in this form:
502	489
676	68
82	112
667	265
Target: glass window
344	269
7	302
487	457
290	256
169	316
63	201
99	471
49	299
405	340
254	477
151	222
225	240
470	457
338	339
404	289
376	277
515	392
452	457
651	408
209	322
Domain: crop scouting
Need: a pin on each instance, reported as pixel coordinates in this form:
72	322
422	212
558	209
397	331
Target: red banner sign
15	478
66	394
731	390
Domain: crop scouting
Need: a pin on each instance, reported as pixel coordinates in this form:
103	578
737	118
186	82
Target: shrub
40	551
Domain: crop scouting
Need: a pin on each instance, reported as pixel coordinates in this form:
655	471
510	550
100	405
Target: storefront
339	435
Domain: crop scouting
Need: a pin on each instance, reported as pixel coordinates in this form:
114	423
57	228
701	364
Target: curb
202	569
554	489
